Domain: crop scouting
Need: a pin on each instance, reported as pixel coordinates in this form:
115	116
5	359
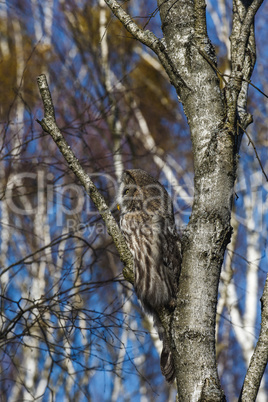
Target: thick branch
49	125
208	232
200	20
243	19
242	59
145	37
249	18
259	358
212	120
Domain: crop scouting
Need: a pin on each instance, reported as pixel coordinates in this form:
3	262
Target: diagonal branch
49	125
147	38
259	358
249	18
255	150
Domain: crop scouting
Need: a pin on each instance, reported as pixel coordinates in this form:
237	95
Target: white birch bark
113	120
38	284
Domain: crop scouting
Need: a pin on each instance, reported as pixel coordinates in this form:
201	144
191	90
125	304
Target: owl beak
118	207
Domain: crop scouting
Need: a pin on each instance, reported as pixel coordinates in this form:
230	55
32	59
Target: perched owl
147	223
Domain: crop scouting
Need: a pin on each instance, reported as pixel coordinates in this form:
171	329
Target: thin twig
227	75
212	64
255	150
149	39
49	125
248	81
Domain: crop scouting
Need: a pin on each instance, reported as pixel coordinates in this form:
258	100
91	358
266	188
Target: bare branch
200	20
147	38
243	56
222	75
255	150
49	125
249	18
243	19
260	356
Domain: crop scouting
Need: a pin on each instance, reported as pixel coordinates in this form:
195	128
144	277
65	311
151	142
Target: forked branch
147	38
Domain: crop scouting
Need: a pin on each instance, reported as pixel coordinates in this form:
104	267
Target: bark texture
217	120
214	121
209	230
49	125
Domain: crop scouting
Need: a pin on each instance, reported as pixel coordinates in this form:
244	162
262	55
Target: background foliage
71	327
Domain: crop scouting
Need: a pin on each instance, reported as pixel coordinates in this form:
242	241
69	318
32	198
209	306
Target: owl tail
167	363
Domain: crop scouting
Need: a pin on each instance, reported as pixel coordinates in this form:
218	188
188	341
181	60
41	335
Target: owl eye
125	191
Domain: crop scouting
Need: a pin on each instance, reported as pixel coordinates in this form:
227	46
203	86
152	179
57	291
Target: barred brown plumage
147	222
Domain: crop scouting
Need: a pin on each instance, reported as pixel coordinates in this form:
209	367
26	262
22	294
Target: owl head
140	192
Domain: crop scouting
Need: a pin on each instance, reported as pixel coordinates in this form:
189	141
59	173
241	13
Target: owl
147	223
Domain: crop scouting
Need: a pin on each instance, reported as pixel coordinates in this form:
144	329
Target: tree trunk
209	230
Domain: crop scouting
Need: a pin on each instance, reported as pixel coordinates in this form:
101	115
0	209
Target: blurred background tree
71	327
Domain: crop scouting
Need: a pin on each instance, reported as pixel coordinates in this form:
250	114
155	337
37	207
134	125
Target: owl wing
167	239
